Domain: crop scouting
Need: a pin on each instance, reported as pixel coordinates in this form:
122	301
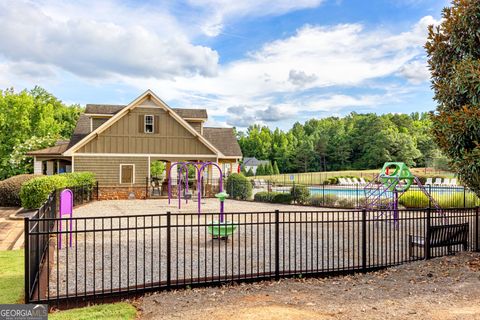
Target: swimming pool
359	191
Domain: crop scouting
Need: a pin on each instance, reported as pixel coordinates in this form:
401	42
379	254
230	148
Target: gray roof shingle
115	108
224	140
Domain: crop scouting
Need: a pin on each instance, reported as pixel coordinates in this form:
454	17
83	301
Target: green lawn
120	311
11	277
11	292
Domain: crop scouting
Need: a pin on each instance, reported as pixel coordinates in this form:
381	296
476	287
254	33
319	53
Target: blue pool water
353	192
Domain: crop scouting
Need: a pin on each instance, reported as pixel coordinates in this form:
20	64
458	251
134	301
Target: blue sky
263	61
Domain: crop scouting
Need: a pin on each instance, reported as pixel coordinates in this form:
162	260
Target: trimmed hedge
10	189
329	200
239	187
36	191
265	196
273	197
285	198
300	194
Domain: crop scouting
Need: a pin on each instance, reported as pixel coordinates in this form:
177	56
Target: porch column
37	166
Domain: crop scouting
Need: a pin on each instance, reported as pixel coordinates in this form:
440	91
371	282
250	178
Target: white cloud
148	47
98	48
416	71
219	11
339	56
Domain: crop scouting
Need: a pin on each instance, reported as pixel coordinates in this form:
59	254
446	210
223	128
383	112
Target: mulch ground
441	288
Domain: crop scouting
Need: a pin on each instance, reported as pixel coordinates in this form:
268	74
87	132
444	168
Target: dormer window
149	124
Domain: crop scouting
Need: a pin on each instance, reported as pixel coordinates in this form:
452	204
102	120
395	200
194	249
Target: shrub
36	191
239	187
300	194
10	190
346	203
457	200
265	196
284	198
329	200
414	199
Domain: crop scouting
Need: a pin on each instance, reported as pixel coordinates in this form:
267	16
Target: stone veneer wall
120	193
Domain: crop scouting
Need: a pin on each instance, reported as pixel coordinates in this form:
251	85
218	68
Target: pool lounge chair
453	182
446	182
355	181
429	182
350	182
438	182
343	181
362	181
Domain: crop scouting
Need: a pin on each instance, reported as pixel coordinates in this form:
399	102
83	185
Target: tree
27	117
157	168
275	168
268	169
453	50
260	170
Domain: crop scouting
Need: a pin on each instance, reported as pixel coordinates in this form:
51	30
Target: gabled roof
75	146
59	148
254	162
108	109
111	109
82	129
224	140
191	113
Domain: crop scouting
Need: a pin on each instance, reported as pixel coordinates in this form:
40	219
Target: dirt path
442	288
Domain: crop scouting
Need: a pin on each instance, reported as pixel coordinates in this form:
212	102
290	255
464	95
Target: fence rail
123	255
42	224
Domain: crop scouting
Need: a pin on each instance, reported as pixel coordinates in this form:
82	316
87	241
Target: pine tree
260	170
275	168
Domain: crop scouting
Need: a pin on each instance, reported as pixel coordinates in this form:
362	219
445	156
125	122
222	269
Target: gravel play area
442	288
123	244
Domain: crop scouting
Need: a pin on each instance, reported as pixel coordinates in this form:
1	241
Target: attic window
149	124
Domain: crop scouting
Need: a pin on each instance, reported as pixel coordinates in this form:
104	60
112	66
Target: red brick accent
120	193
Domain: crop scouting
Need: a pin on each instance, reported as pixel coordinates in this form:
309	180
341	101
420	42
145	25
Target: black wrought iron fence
42	223
114	256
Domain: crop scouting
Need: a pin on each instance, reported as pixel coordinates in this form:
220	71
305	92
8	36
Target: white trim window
149	123
127	174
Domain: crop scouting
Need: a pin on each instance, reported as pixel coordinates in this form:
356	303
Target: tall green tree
453	49
35	116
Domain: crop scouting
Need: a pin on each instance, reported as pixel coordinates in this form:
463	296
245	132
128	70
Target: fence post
364	240
427	235
27	259
169	253
477	224
277	245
